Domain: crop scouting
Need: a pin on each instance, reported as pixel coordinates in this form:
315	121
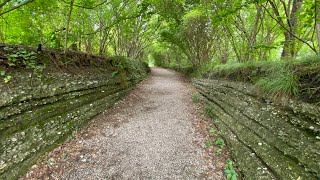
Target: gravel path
154	133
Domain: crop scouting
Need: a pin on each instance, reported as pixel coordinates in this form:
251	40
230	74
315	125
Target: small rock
260	144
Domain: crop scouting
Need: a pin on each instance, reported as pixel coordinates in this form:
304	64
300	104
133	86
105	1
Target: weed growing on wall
21	58
196	97
229	171
220	142
212	131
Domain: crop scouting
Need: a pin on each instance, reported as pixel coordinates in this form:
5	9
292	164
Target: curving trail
156	132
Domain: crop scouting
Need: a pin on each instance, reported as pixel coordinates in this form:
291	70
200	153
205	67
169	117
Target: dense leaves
170	32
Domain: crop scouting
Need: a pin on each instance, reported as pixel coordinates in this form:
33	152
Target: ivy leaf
7	79
2	73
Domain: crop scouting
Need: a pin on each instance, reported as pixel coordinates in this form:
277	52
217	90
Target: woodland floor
155	132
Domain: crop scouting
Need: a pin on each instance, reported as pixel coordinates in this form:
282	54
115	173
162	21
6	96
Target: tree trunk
296	6
286	45
67	27
290	26
318	23
88	45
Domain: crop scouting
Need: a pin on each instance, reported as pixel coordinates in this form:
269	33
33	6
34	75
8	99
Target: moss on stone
35	119
271	132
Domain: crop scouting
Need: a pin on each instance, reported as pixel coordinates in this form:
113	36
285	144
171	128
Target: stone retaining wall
267	141
36	118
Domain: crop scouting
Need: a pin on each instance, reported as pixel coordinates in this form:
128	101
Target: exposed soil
156	132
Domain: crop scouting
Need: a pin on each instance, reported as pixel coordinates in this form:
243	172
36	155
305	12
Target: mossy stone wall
37	115
267	140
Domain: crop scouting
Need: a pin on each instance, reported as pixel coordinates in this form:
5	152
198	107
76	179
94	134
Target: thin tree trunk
296	6
318	22
67	27
292	23
286	45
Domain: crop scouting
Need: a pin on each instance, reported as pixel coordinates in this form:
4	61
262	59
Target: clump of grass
208	143
230	172
278	79
202	70
196	97
220	142
284	86
281	82
229	68
208	110
212	131
218	152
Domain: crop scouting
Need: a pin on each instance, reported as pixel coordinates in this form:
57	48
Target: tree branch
15	7
84	7
285	28
4	3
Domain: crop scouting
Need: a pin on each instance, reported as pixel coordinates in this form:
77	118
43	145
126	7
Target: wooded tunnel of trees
186	32
103	46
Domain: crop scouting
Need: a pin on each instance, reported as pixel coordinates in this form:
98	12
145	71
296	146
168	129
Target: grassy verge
279	79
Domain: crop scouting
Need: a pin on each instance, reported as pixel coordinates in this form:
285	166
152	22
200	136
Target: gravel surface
156	132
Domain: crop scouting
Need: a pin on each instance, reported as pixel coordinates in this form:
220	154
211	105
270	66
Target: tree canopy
183	32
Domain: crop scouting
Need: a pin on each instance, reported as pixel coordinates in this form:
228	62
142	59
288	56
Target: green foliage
208	110
212	131
278	79
196	97
21	57
284	85
218	152
7	79
194	15
229	171
208	143
220	142
281	81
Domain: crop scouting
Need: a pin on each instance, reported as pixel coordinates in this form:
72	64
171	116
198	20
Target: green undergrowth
230	172
280	80
196	97
14	58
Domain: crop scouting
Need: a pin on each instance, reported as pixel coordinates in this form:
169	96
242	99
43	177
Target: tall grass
280	85
279	78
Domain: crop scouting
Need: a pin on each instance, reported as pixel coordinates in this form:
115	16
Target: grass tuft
278	79
196	97
281	82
